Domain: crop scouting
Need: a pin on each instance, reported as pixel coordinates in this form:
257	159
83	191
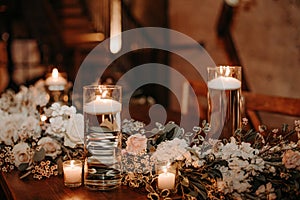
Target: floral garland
250	165
36	137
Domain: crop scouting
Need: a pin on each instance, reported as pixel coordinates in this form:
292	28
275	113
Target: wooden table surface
53	188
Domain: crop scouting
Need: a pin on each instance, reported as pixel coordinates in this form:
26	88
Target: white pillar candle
102	106
166	180
72	172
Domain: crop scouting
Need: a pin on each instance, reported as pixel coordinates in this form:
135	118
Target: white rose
75	131
22	154
52	147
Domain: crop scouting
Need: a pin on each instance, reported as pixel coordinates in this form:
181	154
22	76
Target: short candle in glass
72	173
166	177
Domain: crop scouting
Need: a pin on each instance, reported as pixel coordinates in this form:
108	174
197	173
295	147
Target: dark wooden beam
224	33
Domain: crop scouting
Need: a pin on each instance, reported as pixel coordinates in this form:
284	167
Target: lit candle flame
98	97
165	170
102	92
72	163
43	118
55	73
227	72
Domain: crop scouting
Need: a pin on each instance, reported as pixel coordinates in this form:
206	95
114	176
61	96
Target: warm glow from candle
166	180
72	163
55	73
72	173
227	71
102	92
43	118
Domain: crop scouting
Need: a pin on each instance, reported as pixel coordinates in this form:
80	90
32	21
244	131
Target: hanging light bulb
115	26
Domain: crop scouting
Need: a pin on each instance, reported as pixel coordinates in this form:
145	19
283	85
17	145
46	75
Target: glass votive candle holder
72	173
166	176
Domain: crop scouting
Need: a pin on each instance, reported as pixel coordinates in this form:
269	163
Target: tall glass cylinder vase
102	136
224	100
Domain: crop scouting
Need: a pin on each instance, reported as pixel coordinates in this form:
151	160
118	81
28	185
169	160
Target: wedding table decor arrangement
166	162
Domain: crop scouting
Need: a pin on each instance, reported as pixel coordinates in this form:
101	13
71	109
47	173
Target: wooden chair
271	104
255	103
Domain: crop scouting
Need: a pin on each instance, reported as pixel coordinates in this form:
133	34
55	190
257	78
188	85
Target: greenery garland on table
36	137
250	165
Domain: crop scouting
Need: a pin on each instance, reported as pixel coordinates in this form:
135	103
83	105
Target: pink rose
291	159
136	144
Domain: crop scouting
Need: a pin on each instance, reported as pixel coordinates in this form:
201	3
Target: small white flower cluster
173	150
243	162
132	127
26	100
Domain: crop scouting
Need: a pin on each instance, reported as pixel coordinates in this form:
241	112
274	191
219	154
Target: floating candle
55	79
224	83
102	106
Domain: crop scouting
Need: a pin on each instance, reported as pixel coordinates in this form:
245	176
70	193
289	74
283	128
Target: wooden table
53	188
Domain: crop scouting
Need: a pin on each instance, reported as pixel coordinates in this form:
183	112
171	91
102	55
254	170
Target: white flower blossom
75	131
57	126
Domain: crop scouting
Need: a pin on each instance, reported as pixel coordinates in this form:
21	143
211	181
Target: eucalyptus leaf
160	139
170	134
23	166
193	193
39	155
215	173
198	185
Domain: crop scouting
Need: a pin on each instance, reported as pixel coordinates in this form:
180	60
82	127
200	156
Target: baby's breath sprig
6	159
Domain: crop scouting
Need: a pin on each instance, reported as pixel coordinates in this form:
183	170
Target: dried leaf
185	182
